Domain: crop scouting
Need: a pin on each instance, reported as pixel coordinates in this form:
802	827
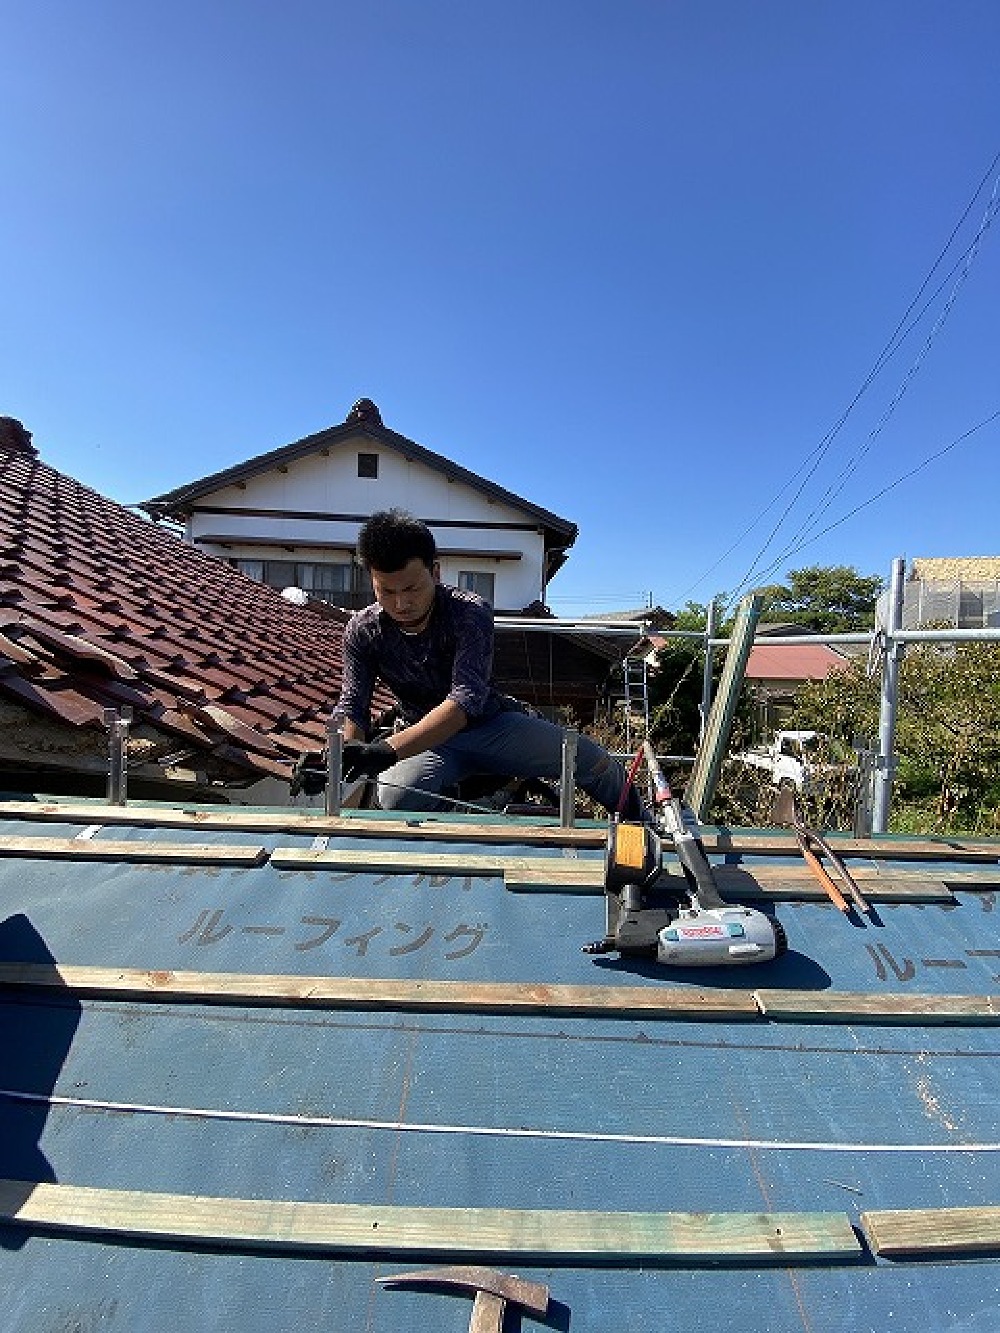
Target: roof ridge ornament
14	436
364	413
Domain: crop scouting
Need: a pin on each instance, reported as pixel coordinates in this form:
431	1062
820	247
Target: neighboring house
959	592
780	669
776	671
100	609
291	517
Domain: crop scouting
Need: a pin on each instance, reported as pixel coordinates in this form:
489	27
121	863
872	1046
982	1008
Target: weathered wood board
865	1007
174	853
367	993
555	1234
418	826
932	1232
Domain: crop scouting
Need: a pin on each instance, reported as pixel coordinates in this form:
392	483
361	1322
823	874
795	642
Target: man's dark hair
392	538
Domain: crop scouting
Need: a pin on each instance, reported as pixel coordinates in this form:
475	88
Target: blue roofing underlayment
395	1107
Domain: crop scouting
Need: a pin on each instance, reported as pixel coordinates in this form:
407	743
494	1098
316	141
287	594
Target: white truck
790	759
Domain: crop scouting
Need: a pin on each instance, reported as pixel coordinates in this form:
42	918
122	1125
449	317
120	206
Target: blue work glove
367	761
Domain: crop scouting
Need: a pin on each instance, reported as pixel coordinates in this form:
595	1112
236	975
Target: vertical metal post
334	768
117	721
567	785
706	675
885	761
864	749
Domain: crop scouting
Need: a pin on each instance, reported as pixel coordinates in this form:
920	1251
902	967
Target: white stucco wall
321	485
317	505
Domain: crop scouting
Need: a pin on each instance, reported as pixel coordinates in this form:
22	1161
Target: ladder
635	679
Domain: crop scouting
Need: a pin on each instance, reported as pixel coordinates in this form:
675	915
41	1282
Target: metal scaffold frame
887	643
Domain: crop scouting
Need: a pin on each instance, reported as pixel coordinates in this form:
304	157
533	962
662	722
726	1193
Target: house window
471	580
320	579
333	583
367	465
281	574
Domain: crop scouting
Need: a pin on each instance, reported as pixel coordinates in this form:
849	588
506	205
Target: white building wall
330	485
316	507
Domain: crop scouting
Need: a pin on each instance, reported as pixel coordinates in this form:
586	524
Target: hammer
492	1291
786	812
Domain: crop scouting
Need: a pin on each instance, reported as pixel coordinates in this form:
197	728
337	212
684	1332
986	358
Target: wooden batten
746	842
414	862
866	1007
495	1233
513	997
769	883
93	849
933	1232
416	827
500	997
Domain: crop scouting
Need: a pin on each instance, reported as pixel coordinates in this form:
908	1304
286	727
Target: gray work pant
508	745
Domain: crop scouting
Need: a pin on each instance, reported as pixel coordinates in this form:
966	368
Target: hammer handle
487	1313
860	902
815	865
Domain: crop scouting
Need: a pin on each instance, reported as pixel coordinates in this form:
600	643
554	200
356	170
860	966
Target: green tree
947	730
834	598
843	706
949	723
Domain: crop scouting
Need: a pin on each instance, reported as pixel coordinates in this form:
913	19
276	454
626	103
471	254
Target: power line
968	256
906	476
801	537
902	330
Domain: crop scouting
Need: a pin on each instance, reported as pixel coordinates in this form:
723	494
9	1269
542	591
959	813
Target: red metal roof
793	661
101	608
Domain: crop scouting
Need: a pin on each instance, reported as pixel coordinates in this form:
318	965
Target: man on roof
431	645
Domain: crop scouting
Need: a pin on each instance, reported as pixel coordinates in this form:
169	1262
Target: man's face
407	596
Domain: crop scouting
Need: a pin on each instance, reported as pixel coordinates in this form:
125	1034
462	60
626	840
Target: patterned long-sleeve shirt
451	659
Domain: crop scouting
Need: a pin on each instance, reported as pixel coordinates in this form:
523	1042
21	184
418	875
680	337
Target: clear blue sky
632	259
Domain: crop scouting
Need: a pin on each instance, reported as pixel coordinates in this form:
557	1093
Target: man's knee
409	786
392	798
593	761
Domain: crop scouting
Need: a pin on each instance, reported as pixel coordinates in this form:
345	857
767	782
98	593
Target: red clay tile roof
100	608
793	661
